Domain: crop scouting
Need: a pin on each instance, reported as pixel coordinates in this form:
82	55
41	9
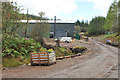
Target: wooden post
54	26
39	59
48	58
31	59
26	25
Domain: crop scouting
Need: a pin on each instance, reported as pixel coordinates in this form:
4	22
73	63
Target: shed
62	28
60	33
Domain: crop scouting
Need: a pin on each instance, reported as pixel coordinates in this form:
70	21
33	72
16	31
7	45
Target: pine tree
111	19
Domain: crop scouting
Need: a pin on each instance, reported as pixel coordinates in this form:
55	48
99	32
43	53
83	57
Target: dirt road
99	61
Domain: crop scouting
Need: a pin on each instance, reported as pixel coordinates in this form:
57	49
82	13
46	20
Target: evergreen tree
77	23
96	26
111	19
119	16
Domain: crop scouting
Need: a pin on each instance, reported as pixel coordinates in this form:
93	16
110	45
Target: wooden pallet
40	58
43	58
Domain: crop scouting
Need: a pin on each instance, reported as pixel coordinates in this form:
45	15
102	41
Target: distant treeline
100	25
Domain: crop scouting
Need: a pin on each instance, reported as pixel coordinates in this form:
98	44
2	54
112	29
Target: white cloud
81	0
50	7
63	7
102	5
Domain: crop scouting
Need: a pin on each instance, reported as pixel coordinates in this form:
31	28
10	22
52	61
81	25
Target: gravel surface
99	61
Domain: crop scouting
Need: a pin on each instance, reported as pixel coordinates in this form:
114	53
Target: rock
29	64
9	68
5	68
78	54
72	56
24	64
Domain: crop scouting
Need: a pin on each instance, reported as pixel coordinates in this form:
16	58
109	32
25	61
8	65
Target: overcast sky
67	9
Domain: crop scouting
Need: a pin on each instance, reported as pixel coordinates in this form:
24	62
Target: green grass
10	62
113	37
62	52
15	62
94	35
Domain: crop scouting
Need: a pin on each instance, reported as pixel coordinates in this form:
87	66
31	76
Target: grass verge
15	62
115	37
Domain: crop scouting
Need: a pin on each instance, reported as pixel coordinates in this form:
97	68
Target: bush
43	49
79	49
59	51
50	50
86	34
15	47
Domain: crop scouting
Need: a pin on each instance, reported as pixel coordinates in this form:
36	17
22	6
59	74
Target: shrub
86	34
59	51
43	49
14	47
50	50
79	49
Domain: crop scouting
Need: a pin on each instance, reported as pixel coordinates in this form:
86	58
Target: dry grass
15	62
